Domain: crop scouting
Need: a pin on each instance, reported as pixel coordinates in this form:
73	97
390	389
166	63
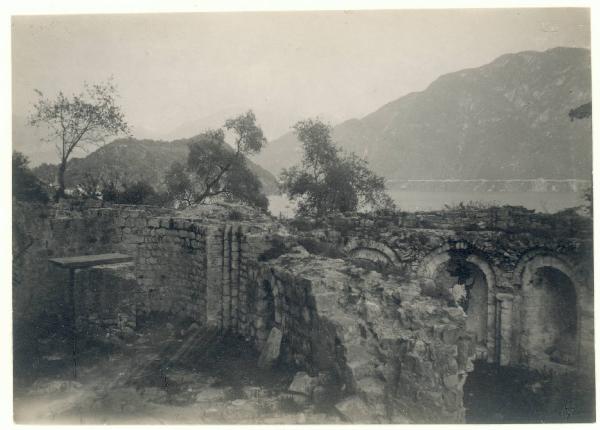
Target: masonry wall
106	305
192	268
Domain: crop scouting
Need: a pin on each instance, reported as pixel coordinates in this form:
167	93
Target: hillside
135	159
506	120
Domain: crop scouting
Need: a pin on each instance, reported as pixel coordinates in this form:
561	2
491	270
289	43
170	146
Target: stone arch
434	260
372	250
527	274
540	258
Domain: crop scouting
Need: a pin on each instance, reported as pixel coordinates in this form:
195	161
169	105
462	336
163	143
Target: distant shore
491	185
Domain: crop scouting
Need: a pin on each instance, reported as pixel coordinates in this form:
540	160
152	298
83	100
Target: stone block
354	410
271	349
303	384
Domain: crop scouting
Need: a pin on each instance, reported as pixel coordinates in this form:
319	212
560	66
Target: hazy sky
176	68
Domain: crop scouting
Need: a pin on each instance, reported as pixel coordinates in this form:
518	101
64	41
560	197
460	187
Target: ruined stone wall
397	346
188	267
396	354
42	232
508	245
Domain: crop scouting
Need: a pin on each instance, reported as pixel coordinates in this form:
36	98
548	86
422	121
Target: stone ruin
390	311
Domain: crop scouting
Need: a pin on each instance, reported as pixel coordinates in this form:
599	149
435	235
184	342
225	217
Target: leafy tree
26	186
582	112
84	119
138	193
588	196
216	169
135	193
329	180
245	186
180	187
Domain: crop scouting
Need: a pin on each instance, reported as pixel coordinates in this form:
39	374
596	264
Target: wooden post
73	320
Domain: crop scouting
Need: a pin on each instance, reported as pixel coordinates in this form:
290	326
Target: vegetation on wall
25	185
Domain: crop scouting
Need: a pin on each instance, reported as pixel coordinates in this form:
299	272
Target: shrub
26	186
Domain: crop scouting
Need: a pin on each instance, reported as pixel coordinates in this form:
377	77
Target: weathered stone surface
354	410
271	349
303	384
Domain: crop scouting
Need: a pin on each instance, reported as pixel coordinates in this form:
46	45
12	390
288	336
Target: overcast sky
173	69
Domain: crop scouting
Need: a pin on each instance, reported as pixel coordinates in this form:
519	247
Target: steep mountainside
135	159
508	119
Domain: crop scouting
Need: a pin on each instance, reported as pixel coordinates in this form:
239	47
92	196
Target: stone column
504	311
242	285
235	276
226	277
214	275
585	331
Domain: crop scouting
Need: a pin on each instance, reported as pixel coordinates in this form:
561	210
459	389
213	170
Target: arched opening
550	319
464	284
371	252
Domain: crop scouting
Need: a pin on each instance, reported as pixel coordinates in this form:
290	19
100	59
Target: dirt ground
163	374
511	395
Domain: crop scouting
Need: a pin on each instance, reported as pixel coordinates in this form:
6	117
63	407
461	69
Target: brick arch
371	250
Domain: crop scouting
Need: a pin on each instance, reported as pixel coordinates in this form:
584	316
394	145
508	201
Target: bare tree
84	119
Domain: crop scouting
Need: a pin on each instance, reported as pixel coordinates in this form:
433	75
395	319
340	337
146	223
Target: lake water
411	201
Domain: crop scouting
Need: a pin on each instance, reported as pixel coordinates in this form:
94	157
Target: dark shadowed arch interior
551	317
470	291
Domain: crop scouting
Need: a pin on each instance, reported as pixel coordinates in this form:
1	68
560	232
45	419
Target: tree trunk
60	177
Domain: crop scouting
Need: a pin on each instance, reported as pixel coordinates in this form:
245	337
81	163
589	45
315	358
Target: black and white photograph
351	216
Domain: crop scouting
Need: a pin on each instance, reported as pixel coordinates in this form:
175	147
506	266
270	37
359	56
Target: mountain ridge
506	119
139	159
